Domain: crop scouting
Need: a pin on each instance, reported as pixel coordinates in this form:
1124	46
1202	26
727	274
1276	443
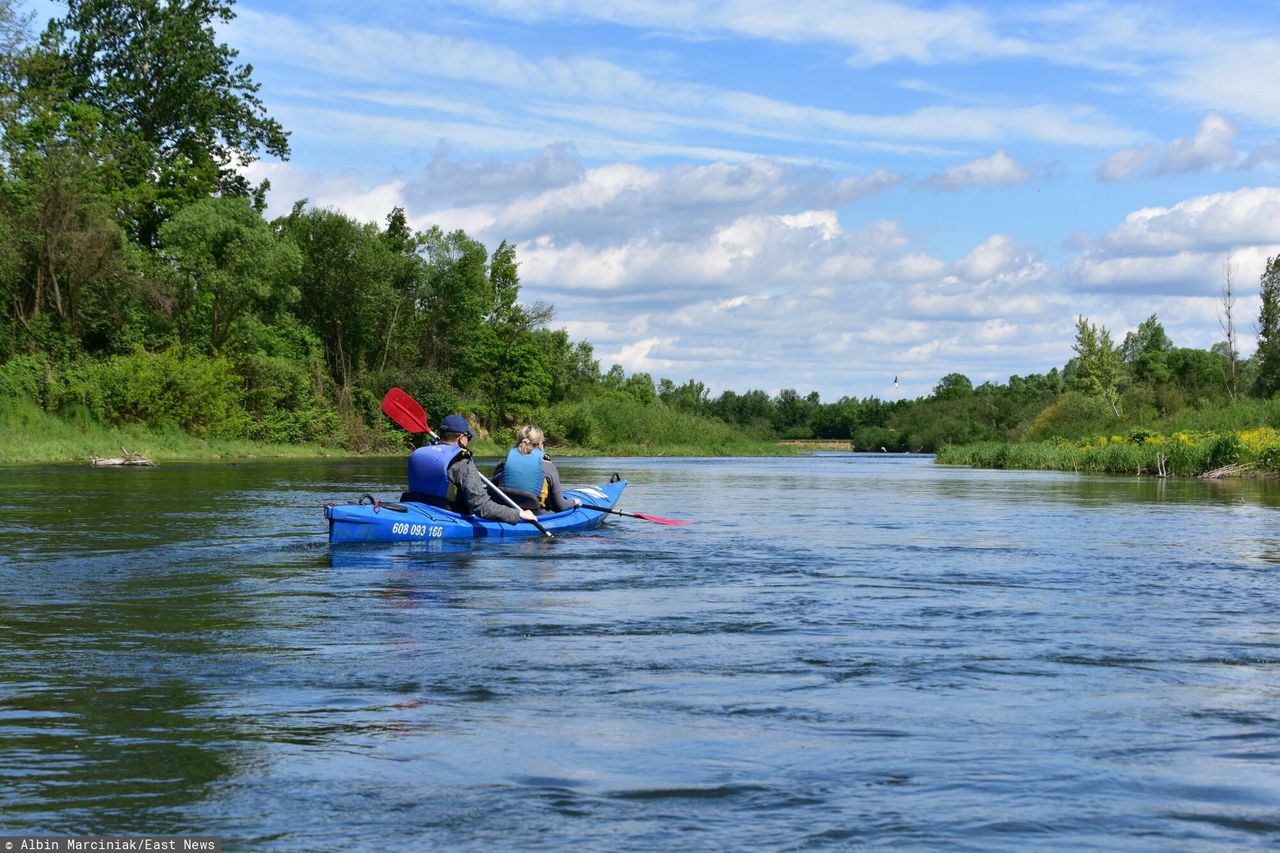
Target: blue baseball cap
458	424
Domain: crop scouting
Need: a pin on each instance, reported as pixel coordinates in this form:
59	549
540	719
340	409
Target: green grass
29	434
1178	459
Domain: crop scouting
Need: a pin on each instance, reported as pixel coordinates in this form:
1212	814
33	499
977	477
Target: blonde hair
528	438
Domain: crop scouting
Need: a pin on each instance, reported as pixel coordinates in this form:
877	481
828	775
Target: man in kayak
445	475
529	469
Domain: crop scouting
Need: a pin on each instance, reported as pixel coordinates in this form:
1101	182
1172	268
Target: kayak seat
423	498
524	500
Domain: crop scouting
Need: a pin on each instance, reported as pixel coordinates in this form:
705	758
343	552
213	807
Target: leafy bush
1225	450
1072	415
200	394
25	377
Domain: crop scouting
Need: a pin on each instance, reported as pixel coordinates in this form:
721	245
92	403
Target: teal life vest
523	471
429	470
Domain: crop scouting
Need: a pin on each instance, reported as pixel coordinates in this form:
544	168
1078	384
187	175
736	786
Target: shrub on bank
200	394
1142	451
616	423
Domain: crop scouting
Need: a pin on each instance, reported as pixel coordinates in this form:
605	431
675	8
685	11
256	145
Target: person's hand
527	515
576	502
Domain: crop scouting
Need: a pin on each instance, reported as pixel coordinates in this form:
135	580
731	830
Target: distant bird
882	450
895	382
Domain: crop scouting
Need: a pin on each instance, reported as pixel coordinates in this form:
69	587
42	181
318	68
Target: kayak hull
421	522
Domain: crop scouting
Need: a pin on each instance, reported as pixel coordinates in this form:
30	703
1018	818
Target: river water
842	651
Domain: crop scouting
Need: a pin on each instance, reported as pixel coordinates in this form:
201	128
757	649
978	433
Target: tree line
142	283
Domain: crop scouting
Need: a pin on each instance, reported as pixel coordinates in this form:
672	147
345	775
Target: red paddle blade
405	411
659	519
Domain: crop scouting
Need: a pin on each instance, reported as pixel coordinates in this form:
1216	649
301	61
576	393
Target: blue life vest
523	471
429	469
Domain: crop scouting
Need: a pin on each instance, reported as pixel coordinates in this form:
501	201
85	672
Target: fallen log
1228	471
127	459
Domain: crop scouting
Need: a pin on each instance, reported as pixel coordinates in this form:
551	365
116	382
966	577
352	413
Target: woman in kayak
445	475
529	470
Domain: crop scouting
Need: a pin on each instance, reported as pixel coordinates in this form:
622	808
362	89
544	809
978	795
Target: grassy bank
1253	452
29	434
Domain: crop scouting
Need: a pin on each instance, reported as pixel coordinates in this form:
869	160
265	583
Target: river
842	650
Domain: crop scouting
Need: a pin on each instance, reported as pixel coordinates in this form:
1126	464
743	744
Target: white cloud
874	31
596	205
990	259
1179	250
999	168
1214	144
1213	222
521	101
638	355
1234	72
1125	163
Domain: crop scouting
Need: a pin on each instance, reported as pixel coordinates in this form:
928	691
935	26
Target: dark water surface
842	651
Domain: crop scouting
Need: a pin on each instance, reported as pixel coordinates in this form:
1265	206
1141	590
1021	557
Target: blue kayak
407	522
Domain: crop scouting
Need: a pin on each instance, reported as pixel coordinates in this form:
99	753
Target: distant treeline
140	283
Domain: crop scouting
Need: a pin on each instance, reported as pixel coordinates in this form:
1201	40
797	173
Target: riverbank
1246	453
30	435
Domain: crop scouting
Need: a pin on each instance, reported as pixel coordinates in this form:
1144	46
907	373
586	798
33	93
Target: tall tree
183	116
1267	381
1146	351
229	264
459	299
66	270
1226	319
345	285
1098	363
14	38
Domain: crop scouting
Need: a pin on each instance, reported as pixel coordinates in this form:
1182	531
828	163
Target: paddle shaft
652	518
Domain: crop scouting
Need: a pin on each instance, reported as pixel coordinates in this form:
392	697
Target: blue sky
809	195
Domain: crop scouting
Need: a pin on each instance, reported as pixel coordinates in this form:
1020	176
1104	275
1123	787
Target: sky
823	196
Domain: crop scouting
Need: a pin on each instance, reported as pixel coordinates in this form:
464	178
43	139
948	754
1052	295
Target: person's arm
556	501
476	495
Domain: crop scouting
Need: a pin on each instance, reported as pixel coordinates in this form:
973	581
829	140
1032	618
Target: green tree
1099	363
690	397
65	269
1267	379
572	366
345	289
184	118
229	264
791	413
456	299
510	365
15	36
639	387
1145	351
953	385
